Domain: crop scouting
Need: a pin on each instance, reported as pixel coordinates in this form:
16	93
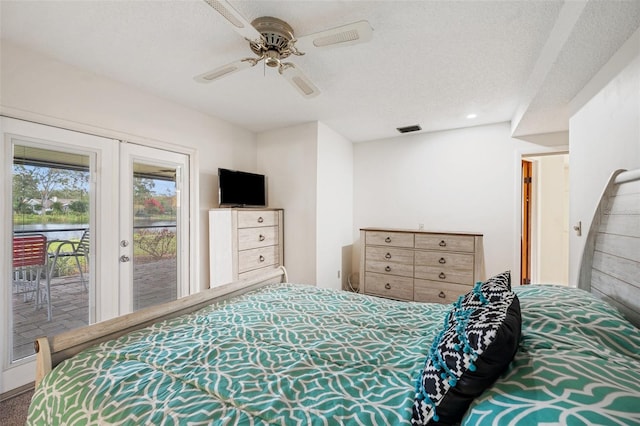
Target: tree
143	188
25	188
23	208
40	182
79	206
57	207
46	179
153	206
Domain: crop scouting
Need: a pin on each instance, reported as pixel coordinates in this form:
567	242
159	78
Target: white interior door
154	226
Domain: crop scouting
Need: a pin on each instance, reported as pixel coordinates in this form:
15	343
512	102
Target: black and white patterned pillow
491	290
476	345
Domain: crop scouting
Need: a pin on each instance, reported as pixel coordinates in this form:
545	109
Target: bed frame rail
51	351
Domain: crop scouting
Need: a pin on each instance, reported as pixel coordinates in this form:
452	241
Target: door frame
527	220
22	373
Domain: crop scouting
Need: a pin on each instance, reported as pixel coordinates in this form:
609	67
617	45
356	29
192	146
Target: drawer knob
442	276
260	219
442	243
387	268
261	258
261	237
442	295
387	286
387	240
442	261
387	256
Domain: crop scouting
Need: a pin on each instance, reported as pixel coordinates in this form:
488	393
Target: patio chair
67	249
29	261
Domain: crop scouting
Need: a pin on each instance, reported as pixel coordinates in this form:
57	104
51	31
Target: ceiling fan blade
237	21
224	71
346	35
298	80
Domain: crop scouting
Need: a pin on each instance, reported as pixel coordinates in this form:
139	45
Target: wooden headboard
610	266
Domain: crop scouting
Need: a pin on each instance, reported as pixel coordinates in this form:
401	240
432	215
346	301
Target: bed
265	351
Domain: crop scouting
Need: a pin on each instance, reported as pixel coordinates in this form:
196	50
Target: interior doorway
545	219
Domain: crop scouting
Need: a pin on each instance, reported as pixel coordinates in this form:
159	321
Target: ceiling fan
272	40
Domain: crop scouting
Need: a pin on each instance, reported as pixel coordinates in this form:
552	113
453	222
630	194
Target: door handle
124	258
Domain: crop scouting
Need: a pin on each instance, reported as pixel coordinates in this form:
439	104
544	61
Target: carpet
13	411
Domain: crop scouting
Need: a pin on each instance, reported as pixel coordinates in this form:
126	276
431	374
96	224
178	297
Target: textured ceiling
429	63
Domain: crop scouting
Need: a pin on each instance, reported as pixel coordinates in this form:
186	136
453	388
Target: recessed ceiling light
470	116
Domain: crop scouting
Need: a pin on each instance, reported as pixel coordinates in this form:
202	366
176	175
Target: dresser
421	266
243	242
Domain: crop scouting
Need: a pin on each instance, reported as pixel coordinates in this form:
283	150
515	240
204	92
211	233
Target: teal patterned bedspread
300	355
578	363
289	354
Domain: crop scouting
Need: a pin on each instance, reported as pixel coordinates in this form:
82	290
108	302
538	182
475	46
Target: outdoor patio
155	283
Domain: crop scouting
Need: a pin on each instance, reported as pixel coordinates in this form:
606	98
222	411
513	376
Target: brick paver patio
155	280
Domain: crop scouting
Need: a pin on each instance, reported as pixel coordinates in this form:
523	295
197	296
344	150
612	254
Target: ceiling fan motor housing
277	37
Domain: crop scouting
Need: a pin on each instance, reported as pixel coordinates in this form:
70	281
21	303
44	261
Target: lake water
66	231
53	231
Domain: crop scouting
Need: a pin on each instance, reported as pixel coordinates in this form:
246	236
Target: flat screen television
241	189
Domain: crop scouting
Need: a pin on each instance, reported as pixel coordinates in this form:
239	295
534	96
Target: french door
154	220
73	190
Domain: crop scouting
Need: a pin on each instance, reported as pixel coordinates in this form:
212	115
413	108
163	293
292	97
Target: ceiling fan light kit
273	40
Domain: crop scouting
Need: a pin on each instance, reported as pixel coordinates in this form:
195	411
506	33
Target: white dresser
243	242
419	265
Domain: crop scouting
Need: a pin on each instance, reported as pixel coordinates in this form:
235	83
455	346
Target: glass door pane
154	226
155	273
51	277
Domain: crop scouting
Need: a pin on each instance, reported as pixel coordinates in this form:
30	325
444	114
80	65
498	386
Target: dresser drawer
389	254
257	258
445	242
390	268
389	286
437	292
457	267
250	218
250	238
394	239
445	260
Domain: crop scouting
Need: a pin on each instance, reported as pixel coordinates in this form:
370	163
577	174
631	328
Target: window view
50	275
154	235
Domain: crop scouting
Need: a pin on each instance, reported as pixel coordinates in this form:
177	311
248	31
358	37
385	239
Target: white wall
334	224
604	136
44	90
310	172
457	180
289	159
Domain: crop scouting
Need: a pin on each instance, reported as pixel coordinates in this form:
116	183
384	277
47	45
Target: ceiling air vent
409	129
